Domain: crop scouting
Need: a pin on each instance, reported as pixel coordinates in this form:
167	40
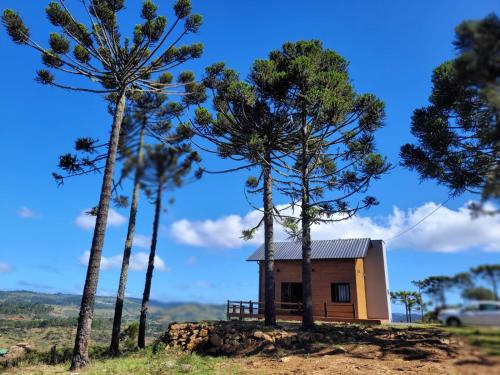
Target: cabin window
341	292
291	292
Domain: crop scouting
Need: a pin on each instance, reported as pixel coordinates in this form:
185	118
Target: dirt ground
251	348
369	359
374	350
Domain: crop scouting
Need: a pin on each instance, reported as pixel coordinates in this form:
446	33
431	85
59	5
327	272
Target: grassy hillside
44	319
67	306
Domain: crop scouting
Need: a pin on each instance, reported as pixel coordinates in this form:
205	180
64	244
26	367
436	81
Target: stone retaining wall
233	338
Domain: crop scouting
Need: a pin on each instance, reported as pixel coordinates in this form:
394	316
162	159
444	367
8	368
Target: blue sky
392	47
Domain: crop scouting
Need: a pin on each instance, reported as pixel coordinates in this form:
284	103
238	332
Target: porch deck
292	311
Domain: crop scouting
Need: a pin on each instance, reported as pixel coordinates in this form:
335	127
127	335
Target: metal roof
327	249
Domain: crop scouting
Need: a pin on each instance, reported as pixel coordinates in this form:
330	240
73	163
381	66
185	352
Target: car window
488	307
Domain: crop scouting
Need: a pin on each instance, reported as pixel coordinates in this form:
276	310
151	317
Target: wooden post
353	311
227	312
326	311
251	307
241	310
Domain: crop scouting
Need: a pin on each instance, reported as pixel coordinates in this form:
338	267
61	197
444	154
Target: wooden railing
253	309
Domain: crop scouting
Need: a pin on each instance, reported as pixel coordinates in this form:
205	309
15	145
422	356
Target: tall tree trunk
495	287
421	304
117	320
270	308
442	297
149	274
307	318
80	351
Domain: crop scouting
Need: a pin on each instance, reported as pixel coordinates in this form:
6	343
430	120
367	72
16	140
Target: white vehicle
480	313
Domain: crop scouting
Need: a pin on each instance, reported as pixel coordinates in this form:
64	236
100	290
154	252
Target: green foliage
489	273
81	54
15	27
56	15
331	127
148	10
182	8
166	78
458	132
462	280
59	43
19	307
409	300
154	29
478	294
252	182
129	336
436	286
44	77
193	23
102	55
485	338
51	60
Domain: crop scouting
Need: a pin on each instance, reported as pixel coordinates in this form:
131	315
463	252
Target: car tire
453	322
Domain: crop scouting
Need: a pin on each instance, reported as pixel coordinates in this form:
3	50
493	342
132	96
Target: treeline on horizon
295	120
436	289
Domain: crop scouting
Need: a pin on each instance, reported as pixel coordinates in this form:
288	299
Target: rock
263	336
212	351
285	359
177	326
339	349
216	340
269	348
258	334
185	368
24	345
169	365
203	332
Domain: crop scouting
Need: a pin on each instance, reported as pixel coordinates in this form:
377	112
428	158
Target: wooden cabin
349	281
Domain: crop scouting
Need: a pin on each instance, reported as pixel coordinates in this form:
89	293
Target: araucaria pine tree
106	63
250	128
166	167
458	133
333	128
489	273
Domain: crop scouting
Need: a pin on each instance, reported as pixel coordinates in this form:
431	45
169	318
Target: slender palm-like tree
112	65
143	117
166	167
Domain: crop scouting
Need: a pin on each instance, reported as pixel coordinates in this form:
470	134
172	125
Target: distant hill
67	305
401	318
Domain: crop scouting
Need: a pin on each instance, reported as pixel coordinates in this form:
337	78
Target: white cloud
5	267
446	230
224	232
138	262
140	240
87	222
26	213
